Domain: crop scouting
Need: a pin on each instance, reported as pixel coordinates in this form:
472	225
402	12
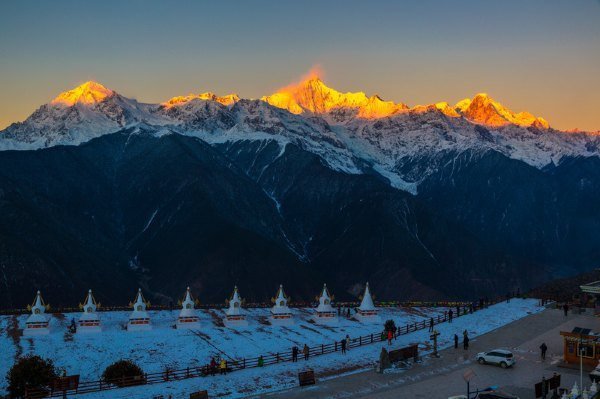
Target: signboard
199	395
66	383
468	375
306	378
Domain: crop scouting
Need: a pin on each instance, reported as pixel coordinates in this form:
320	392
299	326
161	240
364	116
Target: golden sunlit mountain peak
485	110
207	96
88	93
312	95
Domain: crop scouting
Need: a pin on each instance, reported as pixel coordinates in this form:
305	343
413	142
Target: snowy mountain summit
351	132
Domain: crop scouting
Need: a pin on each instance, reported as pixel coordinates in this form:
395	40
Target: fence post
322	349
371	338
277	357
360	341
336	346
244	362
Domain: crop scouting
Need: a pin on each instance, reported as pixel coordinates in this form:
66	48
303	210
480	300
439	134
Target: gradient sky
540	56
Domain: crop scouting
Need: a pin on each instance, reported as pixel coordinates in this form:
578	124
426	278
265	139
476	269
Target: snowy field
164	346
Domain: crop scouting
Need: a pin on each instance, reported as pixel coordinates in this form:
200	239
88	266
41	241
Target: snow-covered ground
165	346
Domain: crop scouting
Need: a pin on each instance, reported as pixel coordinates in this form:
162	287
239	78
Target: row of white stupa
38	322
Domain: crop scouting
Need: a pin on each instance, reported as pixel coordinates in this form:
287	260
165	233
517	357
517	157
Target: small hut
89	322
37	323
188	319
280	313
233	314
139	320
324	313
367	312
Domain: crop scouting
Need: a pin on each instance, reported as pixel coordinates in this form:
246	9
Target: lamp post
581	362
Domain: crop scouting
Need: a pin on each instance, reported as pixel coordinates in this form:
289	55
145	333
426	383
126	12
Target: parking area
443	377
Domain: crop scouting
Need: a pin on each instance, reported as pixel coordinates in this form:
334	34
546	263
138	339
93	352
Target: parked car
501	357
497	395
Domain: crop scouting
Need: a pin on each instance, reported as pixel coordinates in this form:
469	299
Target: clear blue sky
540	56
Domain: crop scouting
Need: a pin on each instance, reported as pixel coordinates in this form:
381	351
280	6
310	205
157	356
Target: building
591	295
367	312
188	318
584	341
89	322
139	320
280	313
324	313
38	322
233	315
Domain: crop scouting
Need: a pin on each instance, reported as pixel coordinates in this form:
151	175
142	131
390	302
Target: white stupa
37	322
233	314
367	312
280	313
188	317
139	320
89	321
325	313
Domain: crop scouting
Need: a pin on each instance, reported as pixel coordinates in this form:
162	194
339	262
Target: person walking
566	309
294	353
306	352
455	341
431	324
543	349
223	366
390	335
450	316
343	343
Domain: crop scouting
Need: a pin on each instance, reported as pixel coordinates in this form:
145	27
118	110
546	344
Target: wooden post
336	346
371	338
322	349
277	357
244	362
360	341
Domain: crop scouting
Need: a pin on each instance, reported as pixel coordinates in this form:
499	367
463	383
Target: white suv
498	356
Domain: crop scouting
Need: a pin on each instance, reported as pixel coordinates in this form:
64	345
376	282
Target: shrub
123	372
390	326
32	372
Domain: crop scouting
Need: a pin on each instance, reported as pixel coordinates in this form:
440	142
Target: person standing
566	309
223	366
543	349
450	316
465	340
431	324
390	335
294	353
457	310
306	352
455	341
261	361
213	366
343	343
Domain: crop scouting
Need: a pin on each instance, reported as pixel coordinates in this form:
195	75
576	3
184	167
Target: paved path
442	377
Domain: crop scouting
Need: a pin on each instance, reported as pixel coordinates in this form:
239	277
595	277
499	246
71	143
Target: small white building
89	322
139	320
280	313
325	313
233	315
188	318
37	323
367	312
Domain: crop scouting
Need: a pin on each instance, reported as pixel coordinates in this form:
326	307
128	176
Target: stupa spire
187	316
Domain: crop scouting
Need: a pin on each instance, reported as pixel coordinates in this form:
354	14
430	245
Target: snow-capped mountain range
351	132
